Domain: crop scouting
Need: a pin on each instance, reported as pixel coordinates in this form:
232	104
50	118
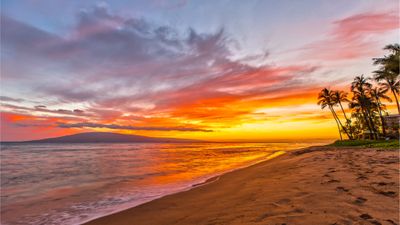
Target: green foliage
368	143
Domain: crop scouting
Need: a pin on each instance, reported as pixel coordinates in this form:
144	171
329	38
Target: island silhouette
108	137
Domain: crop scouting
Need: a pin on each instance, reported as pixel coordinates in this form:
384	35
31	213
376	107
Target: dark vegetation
366	115
368	143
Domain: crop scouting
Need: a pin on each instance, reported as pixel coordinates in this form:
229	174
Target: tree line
366	105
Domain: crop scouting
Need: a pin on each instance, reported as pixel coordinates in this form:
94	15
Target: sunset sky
214	70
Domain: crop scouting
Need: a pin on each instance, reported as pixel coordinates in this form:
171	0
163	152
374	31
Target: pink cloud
354	37
18	127
355	27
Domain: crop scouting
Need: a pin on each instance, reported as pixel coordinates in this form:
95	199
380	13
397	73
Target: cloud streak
354	36
125	127
9	99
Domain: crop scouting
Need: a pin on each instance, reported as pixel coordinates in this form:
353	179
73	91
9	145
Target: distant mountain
105	137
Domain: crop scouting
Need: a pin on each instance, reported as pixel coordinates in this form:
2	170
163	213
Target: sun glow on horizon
217	78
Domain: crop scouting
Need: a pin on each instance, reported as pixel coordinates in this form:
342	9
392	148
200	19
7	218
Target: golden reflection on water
65	184
181	166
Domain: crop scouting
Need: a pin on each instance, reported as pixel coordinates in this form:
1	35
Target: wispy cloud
9	99
354	36
124	127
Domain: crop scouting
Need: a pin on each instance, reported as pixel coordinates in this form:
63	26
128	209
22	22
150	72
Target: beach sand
317	185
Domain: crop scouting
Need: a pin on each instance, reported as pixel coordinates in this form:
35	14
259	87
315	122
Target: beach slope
317	185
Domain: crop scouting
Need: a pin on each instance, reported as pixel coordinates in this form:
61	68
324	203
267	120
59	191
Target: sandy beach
317	185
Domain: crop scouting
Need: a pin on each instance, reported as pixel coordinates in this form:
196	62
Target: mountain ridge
107	137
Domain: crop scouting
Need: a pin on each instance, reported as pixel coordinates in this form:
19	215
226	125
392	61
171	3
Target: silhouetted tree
339	97
360	88
326	98
388	73
378	94
367	108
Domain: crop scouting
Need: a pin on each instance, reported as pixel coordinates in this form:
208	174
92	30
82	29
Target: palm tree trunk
372	125
382	120
333	113
367	115
397	101
383	126
366	121
344	129
343	111
347	120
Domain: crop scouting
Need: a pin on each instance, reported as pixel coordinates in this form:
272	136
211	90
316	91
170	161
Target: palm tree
392	85
326	99
341	96
357	125
338	98
361	98
378	94
390	62
388	73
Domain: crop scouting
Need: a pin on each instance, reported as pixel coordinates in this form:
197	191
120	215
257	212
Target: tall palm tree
326	99
378	94
361	98
338	98
357	105
341	96
388	73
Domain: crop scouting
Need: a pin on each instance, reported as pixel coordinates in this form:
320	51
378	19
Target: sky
225	70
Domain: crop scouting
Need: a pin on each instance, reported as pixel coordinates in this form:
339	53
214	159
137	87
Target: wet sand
317	185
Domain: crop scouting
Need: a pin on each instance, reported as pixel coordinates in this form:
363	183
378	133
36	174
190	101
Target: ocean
74	183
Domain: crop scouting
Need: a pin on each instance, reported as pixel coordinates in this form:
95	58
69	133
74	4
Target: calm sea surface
73	183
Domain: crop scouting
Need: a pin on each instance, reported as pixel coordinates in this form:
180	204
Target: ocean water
73	183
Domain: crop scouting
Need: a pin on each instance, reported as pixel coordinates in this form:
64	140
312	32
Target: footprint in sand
330	181
342	189
331	170
369	171
362	177
382	183
333	181
365	216
283	201
388	193
375	222
383	173
391	222
390	161
360	201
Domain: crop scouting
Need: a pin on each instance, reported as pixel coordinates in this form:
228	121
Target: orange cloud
17	127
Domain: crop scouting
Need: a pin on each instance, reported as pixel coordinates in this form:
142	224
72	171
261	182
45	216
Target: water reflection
71	183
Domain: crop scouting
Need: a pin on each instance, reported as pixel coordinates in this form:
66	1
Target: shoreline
200	184
207	181
187	207
193	186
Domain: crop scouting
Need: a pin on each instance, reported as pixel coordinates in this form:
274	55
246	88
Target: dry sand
318	185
